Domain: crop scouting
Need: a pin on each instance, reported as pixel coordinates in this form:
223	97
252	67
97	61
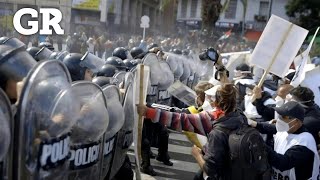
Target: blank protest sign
278	34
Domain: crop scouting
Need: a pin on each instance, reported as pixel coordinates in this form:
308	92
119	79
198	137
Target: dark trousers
156	135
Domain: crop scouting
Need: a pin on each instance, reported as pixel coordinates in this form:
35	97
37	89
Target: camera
209	54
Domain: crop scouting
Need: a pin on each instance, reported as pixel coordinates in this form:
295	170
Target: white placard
280	39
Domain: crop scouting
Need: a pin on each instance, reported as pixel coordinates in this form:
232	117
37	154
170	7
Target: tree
244	13
306	12
211	10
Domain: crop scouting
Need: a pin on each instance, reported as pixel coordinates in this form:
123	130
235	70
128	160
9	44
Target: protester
214	162
302	95
294	155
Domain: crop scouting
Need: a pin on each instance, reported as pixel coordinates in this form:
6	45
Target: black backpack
248	155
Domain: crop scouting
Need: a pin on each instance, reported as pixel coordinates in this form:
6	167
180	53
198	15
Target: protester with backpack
229	125
294	155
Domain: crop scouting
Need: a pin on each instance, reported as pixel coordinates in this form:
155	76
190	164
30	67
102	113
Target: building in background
98	16
257	15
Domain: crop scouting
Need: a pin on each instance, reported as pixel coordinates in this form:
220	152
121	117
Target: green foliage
164	4
306	12
315	50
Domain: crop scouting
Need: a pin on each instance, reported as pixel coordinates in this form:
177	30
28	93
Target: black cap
243	67
290	75
292	109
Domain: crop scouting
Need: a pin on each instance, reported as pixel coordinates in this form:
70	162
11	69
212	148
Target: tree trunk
211	10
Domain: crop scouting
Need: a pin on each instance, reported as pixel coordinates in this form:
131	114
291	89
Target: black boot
148	170
163	155
145	153
165	159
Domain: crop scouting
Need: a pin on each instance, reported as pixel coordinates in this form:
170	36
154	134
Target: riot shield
114	156
167	80
46	112
175	64
15	62
92	62
186	70
152	61
13	42
116	121
118	78
193	69
6	136
87	133
128	79
43	54
61	55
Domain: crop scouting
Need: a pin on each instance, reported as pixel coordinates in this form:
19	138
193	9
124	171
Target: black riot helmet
53	56
136	52
243	67
186	52
102	80
177	51
44	54
33	51
130	63
152	45
107	70
47	45
3	39
120	52
117	62
72	61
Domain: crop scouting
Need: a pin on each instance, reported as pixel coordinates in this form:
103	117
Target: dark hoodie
217	154
312	121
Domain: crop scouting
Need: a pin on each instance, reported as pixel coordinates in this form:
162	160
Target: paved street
184	166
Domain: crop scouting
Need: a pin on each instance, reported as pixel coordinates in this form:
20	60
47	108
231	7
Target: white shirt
284	141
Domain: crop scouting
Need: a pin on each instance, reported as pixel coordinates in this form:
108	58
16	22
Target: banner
302	59
86	4
311	81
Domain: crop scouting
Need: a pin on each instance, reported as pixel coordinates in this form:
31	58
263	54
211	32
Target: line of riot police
70	116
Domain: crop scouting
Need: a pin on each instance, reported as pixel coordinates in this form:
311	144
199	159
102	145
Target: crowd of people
271	136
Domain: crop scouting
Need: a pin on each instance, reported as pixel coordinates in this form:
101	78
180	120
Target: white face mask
282	126
279	101
288	97
206	106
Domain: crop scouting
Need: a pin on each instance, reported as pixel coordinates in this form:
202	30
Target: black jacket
312	121
217	155
297	156
267	112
